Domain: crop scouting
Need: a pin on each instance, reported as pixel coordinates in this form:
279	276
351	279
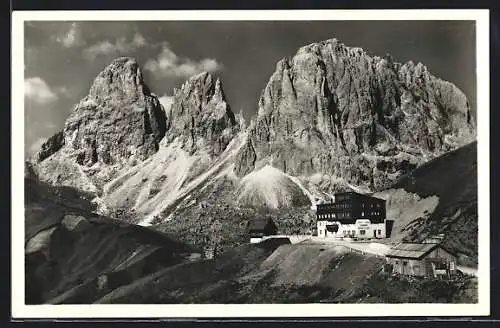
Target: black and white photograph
245	160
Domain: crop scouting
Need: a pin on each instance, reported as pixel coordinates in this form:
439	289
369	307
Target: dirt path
373	248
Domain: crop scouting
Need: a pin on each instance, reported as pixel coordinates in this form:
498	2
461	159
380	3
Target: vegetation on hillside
453	178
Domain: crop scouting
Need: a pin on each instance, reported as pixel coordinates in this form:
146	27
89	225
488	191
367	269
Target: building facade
421	259
260	228
352	215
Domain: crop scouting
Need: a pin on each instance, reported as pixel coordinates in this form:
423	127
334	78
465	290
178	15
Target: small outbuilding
261	228
421	259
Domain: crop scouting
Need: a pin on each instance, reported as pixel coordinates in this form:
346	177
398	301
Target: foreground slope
73	254
439	197
278	272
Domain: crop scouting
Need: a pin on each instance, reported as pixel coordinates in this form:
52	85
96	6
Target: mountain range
331	118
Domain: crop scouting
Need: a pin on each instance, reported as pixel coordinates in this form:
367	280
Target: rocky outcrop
335	110
49	147
201	116
118	121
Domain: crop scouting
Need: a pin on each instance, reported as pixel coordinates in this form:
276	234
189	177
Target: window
362	232
362	213
405	262
379	232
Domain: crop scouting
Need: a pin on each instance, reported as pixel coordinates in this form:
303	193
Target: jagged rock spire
201	116
118	121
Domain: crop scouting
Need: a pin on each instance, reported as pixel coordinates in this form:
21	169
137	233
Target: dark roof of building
412	250
260	224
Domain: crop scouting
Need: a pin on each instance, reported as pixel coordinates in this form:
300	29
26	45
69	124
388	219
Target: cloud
36	89
72	38
119	46
63	91
168	64
167	102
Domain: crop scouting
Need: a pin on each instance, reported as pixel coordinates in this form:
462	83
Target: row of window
371	205
344	214
353	232
371	213
327	216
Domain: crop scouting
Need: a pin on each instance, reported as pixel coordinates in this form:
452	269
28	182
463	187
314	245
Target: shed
421	259
262	227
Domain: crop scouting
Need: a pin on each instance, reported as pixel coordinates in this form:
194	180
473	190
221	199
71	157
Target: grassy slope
453	178
277	272
99	255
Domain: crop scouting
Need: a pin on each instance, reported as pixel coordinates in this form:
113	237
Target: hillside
278	272
439	197
73	254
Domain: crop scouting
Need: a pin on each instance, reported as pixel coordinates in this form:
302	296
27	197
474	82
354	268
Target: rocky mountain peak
120	81
336	111
201	116
119	122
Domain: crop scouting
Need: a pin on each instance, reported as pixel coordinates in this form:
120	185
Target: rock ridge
335	110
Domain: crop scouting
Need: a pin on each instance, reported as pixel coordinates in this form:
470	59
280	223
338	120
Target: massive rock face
335	111
331	117
120	144
201	116
119	121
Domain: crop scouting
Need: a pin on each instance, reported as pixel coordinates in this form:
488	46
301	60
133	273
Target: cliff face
120	124
119	121
330	118
336	111
201	116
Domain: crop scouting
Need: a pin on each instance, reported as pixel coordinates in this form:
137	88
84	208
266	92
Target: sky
62	58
